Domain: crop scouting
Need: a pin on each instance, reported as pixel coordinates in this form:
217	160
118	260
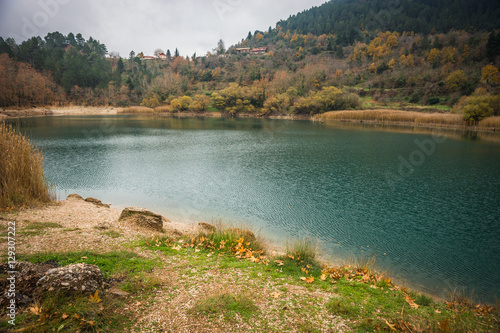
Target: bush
21	171
433	100
327	99
477	107
151	102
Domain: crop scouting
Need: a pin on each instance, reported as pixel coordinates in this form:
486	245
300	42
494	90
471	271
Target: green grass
227	305
111	263
112	234
38	228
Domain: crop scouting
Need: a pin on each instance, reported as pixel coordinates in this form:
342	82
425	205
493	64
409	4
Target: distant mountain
350	18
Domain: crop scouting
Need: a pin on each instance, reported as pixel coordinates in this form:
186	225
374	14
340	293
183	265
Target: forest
315	62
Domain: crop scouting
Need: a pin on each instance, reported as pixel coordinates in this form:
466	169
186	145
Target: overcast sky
145	25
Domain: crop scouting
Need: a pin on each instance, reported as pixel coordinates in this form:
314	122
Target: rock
143	218
25	281
246	234
71	279
96	202
207	226
74	196
118	292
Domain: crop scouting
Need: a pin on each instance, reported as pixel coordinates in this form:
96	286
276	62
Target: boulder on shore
74	196
97	202
143	218
72	279
207	227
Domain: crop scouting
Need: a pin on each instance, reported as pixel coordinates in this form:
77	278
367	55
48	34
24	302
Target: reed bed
137	109
22	182
395	116
490	122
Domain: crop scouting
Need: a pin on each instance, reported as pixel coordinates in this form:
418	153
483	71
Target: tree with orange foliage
490	74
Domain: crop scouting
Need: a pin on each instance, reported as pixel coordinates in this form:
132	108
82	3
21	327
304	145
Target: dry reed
394	116
137	109
21	171
490	122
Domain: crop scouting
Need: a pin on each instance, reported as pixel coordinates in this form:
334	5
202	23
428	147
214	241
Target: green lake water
427	207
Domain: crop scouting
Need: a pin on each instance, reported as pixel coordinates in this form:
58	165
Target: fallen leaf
276	294
437	311
411	301
95	298
391	326
83	258
279	262
64	315
322	277
308	279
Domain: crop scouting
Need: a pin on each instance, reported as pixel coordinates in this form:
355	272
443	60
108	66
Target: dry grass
490	122
21	171
164	108
395	116
147	110
137	109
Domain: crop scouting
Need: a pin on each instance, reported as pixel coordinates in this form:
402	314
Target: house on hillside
258	50
162	56
242	49
148	58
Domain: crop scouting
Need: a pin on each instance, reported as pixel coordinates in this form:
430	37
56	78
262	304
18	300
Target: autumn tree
490	74
456	80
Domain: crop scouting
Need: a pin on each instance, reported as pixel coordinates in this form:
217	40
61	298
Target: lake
425	206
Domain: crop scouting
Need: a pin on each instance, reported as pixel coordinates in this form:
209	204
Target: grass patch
341	307
226	304
38	228
111	233
111	263
62	313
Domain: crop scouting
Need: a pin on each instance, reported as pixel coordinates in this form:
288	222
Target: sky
146	25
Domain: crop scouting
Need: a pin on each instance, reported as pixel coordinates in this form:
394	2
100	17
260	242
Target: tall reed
21	171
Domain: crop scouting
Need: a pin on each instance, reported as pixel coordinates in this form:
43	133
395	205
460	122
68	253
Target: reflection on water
424	204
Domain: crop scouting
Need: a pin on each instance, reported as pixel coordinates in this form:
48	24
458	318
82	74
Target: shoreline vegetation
202	277
392	117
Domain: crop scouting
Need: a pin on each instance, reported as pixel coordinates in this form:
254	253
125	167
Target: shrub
151	102
181	104
477	107
327	99
21	171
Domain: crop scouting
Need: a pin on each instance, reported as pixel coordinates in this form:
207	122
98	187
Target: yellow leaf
437	311
196	250
411	301
391	326
322	277
276	294
91	323
95	298
291	256
279	262
64	315
308	279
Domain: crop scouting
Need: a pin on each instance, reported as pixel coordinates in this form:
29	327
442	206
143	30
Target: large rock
97	202
74	196
71	279
23	281
207	227
143	217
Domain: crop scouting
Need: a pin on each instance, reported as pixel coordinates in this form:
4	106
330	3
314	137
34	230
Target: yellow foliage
490	74
259	36
391	63
433	56
456	80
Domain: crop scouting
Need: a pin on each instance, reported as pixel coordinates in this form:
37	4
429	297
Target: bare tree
157	52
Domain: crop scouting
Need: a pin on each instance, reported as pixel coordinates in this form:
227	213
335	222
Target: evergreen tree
176	54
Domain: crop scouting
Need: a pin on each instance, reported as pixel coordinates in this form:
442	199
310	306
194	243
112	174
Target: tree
221	48
490	74
456	80
176	54
131	55
169	55
157	52
120	65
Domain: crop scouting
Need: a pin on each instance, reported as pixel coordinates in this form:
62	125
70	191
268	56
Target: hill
351	19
